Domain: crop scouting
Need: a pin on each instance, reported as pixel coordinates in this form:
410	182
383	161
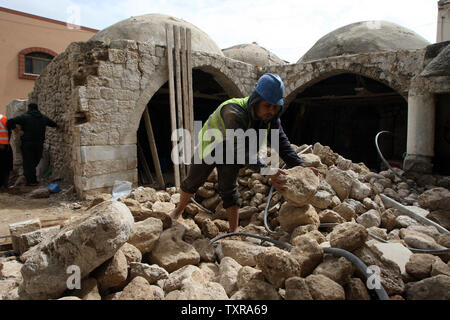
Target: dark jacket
236	117
33	124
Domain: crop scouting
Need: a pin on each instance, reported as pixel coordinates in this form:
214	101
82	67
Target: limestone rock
205	193
242	252
388	220
278	265
434	288
419	265
99	199
143	194
39	193
442	217
405	221
151	273
171	252
360	191
327	156
419	240
192	290
188	272
113	272
88	244
308	254
391	278
88	290
337	269
28	240
256	290
145	234
395	252
297	289
10	270
205	249
137	289
246	274
322	199
435	199
345	210
340	181
330	216
301	185
19	228
323	288
356	290
291	216
370	219
348	236
228	273
439	267
132	254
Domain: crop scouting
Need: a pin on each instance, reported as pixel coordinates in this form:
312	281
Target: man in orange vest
5	153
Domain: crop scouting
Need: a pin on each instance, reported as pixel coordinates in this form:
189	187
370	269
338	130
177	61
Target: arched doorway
345	112
208	95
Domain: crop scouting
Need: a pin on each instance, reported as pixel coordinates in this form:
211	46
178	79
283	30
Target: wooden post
176	33
145	166
185	82
151	141
190	126
173	122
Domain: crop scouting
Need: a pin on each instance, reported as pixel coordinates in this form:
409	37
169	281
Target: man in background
32	135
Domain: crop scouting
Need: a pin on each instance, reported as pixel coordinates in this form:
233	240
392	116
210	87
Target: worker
32	135
6	158
261	110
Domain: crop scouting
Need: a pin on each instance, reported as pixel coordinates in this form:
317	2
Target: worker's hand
277	179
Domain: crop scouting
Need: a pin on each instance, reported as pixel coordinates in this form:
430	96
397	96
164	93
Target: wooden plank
184	68
190	89
176	32
145	165
152	143
173	123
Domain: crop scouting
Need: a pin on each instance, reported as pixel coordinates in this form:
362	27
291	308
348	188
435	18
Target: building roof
152	28
363	37
254	54
32	16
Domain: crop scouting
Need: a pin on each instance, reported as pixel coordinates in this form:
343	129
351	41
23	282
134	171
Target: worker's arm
287	153
51	123
13	122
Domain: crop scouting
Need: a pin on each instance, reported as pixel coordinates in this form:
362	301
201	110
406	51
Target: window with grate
35	62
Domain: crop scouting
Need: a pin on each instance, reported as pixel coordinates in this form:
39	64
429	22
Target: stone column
421	133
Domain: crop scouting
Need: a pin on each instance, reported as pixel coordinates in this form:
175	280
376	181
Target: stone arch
232	86
301	81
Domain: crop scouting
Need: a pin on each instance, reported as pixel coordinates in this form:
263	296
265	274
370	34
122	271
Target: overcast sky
288	28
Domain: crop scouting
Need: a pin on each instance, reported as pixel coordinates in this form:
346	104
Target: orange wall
18	32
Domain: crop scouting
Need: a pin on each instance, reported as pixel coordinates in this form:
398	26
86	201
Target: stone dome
363	37
253	54
151	28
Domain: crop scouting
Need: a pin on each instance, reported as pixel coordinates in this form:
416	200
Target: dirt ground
16	205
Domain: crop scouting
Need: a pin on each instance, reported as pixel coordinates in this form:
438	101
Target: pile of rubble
131	249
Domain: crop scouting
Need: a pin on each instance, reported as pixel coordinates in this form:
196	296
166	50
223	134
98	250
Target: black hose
381	293
202	207
389	166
